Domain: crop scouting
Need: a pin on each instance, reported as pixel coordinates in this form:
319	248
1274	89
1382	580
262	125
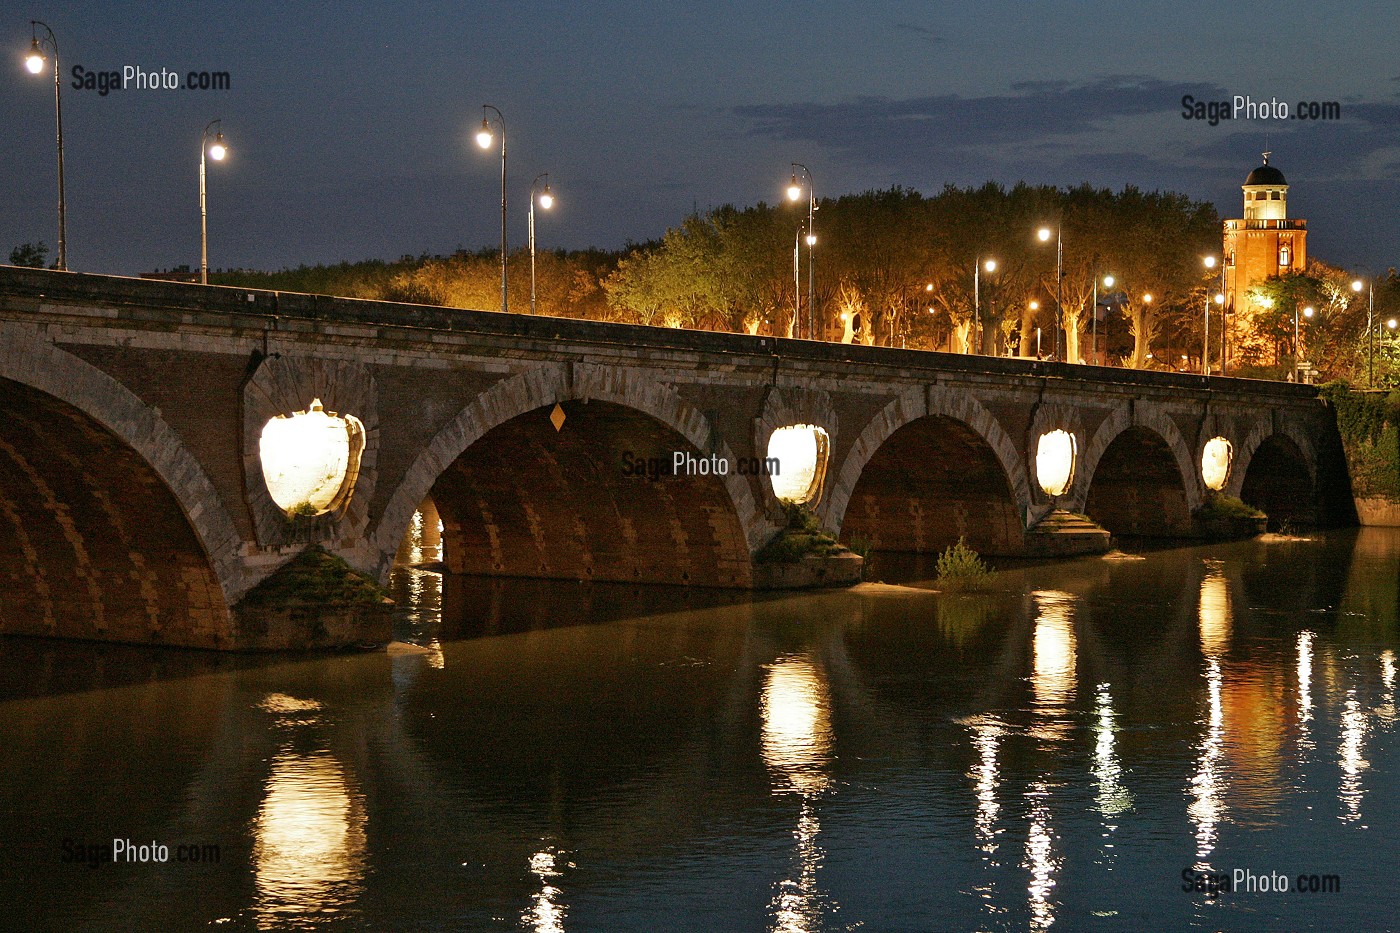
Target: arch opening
1137	488
931	482
311	459
1277	482
93	544
597	499
798	454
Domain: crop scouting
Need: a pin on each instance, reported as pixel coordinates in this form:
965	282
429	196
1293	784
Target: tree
30	255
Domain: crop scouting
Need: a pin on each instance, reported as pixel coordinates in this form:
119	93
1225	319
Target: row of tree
897	268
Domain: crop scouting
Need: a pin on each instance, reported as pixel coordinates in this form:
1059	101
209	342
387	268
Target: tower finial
1267	153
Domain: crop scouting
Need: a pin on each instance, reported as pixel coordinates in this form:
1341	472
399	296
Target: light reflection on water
309	853
797	749
1047	754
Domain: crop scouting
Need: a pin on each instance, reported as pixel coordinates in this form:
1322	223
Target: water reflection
1207	805
797	724
309	841
986	732
1112	797
1351	756
797	741
1053	664
1305	699
1041	861
547	913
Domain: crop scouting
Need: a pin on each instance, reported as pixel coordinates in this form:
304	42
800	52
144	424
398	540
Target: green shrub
1220	506
860	545
960	564
315	577
803	537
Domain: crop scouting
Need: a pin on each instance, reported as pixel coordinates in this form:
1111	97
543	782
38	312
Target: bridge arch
1276	471
1139	476
109	527
698	530
934	465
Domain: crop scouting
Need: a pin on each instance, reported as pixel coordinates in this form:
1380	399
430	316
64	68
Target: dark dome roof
1265	174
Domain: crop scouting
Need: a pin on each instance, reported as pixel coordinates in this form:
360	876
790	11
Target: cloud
883	127
920	32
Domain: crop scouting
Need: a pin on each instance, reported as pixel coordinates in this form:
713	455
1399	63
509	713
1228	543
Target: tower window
1283	256
1277	195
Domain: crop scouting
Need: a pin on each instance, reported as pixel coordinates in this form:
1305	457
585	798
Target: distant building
176	274
1265	242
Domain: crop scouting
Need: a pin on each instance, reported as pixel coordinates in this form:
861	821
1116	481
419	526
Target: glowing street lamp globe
811	239
1357	285
217	149
990	265
1044	234
34	61
1219	298
546	198
484	137
1108	281
1210	262
794	191
1308	311
1147	299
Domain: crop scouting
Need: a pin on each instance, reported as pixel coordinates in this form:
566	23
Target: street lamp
216	150
1210	263
484	139
1044	235
978	265
1356	286
546	199
35	62
1308	312
794	193
1107	283
1035	311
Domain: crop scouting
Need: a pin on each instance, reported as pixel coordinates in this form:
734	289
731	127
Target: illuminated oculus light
310	459
1054	461
1215	463
801	451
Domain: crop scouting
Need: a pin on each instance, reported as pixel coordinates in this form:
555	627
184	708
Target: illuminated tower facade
1263	243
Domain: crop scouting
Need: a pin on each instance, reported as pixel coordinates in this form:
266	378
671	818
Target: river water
1056	750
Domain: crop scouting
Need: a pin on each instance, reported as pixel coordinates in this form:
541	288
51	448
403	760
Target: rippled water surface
1056	750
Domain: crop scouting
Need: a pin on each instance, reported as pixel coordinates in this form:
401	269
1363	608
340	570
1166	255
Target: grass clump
315	577
1219	506
960	564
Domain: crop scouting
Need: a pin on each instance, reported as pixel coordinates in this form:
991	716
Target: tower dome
1265	193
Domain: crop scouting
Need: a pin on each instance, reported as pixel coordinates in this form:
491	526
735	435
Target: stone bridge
138	483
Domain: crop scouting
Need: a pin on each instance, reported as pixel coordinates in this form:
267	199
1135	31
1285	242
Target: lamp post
794	193
1297	344
34	62
484	139
1108	283
1044	235
1035	311
216	150
1370	331
978	264
546	200
1210	263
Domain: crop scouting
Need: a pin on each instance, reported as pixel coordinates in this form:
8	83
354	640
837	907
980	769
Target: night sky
350	124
